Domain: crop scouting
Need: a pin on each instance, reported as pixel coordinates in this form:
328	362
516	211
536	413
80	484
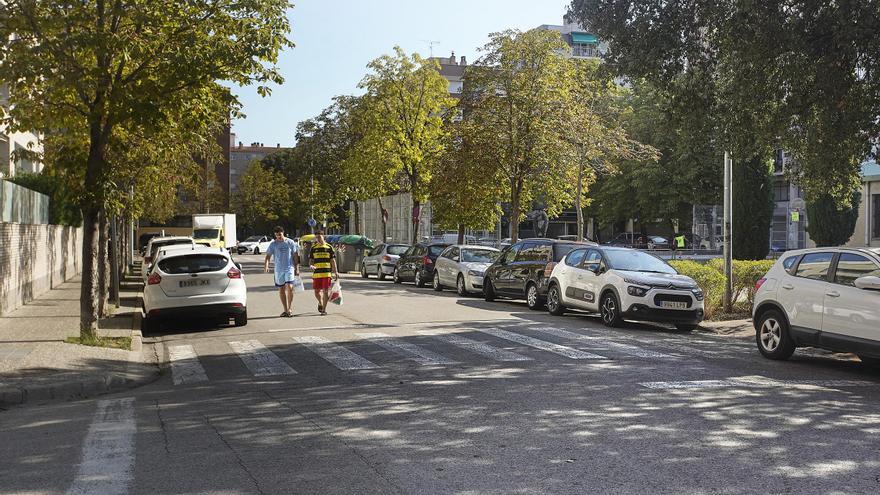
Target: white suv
199	282
624	284
822	297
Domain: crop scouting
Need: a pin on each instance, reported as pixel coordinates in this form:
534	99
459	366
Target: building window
780	192
778	161
875	216
584	50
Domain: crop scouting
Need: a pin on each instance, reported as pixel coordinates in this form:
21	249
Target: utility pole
728	233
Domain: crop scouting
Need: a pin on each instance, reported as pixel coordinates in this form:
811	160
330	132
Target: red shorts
322	283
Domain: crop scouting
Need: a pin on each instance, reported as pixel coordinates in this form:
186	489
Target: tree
404	130
261	197
752	207
800	75
517	98
829	224
95	66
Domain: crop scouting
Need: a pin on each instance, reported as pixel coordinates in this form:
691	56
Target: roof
257	149
871	170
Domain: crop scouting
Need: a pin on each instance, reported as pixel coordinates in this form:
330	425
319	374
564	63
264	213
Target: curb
82	389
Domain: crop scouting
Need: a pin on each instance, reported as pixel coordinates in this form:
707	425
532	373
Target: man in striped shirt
323	261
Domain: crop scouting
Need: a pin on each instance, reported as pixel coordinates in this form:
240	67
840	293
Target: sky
335	39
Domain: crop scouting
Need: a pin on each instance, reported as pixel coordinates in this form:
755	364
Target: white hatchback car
821	297
463	267
624	284
200	282
157	243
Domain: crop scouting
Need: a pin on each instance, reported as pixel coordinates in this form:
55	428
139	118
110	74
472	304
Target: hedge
710	278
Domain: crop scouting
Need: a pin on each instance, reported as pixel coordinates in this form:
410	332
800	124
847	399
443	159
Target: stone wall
34	259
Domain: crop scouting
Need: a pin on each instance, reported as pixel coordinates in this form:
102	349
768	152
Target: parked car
155	244
707	243
382	259
629	239
624	284
144	239
417	263
658	242
200	282
449	238
463	267
523	269
254	244
821	297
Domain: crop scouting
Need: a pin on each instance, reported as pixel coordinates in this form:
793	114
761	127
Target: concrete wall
34	259
399	227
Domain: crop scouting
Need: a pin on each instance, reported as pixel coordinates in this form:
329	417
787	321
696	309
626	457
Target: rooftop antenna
431	45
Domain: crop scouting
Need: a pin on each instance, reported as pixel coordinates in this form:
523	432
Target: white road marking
474	346
260	360
107	465
758	382
337	355
543	345
410	351
329	327
185	367
615	346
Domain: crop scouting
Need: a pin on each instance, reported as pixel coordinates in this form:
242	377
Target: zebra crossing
261	361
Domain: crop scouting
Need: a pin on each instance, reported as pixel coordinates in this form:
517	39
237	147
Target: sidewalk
37	366
738	329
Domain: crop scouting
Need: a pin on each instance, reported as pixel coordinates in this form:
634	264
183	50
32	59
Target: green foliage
63	205
261	199
710	280
830	224
752	208
710	277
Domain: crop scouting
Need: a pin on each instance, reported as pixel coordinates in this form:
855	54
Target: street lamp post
728	232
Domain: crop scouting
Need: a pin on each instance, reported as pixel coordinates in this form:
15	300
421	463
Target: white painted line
614	346
759	382
543	345
329	327
474	346
687	385
337	355
260	360
107	466
410	351
185	367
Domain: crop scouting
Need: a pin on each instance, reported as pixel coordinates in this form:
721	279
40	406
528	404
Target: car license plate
194	283
673	305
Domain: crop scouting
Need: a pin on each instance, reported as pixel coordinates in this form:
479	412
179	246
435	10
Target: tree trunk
357	219
515	210
384	221
577	202
88	296
103	266
416	219
461	234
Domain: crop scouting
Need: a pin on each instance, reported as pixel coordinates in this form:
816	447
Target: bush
710	278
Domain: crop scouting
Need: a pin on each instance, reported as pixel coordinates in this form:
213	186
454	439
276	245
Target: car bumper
387	268
473	284
156	302
644	312
208	310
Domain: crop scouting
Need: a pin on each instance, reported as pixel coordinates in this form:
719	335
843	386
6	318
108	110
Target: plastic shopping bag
336	293
298	285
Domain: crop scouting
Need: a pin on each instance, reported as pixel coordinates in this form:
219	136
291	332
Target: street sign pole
728	233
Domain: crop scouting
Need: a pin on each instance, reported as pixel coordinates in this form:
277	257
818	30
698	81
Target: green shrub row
710	277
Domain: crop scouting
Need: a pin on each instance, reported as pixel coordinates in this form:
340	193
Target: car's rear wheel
610	310
533	300
417	278
256	250
554	301
773	337
436	283
150	325
396	276
364	271
870	362
460	287
379	273
685	327
241	319
488	290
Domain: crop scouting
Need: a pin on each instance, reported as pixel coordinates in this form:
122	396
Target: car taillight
154	279
386	258
759	283
549	269
426	260
234	273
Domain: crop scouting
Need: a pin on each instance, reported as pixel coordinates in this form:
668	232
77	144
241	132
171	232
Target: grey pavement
37	366
640	409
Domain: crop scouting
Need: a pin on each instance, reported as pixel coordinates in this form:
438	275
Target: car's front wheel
773	338
396	276
436	283
379	273
417	278
364	271
533	300
554	301
488	290
241	319
610	310
460	287
256	250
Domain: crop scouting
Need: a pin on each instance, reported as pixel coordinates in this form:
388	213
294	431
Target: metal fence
21	205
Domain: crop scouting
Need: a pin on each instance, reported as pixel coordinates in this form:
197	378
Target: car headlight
475	273
636	291
698	294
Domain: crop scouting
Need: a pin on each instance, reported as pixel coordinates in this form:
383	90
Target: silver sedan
463	267
381	260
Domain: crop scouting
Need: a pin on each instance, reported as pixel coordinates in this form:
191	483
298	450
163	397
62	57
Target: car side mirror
868	283
455	258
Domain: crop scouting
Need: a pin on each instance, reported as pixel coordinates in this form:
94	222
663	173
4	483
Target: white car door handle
787	286
833	293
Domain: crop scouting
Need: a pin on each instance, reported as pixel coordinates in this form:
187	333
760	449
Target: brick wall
34	259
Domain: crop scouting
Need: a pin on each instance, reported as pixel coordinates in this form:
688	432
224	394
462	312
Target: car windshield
206	233
253	238
478	256
397	250
636	261
193	263
161	244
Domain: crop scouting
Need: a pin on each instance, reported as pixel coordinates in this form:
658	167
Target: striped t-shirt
320	256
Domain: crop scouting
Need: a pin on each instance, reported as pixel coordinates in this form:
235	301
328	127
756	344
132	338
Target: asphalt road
402	390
